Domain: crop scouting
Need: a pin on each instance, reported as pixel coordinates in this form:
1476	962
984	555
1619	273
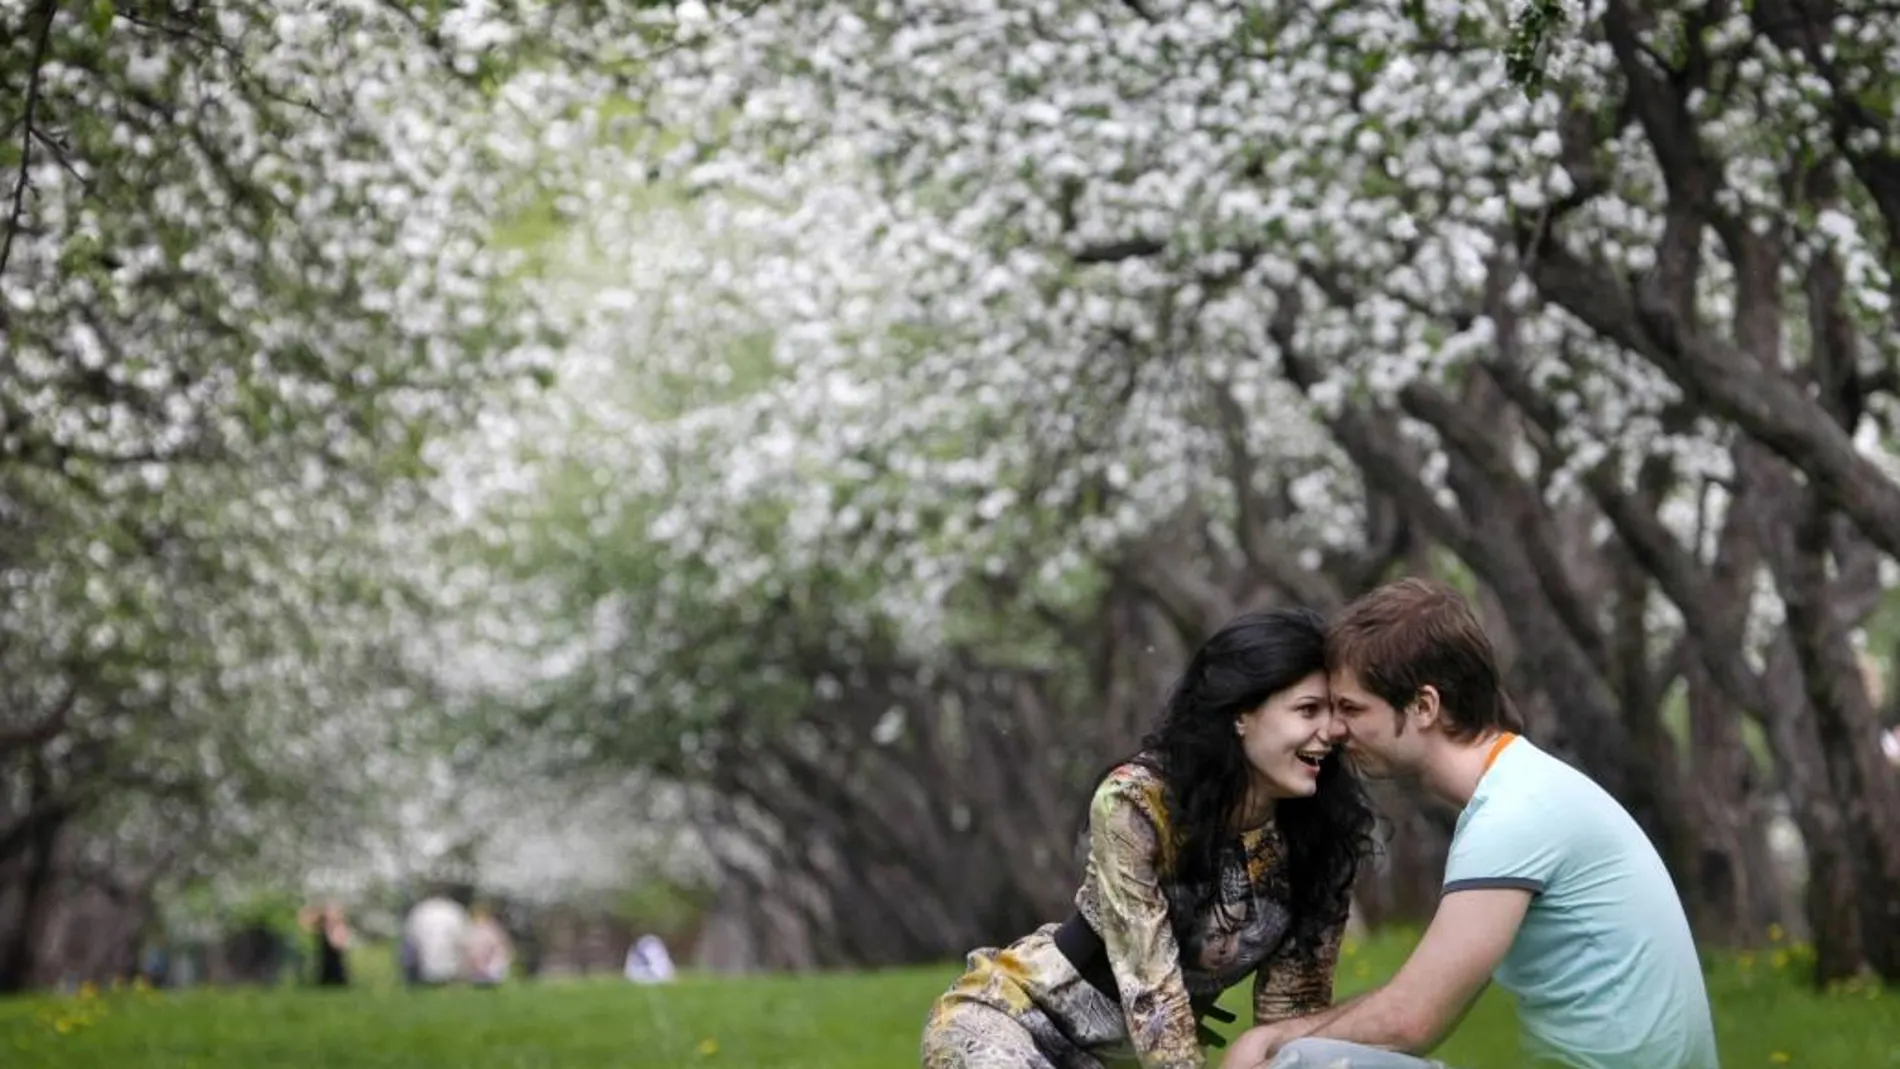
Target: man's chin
1366	766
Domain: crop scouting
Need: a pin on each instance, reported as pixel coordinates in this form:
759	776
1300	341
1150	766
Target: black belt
1084	948
1079	943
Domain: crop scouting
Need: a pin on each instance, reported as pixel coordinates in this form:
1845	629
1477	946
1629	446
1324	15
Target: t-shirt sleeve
1504	846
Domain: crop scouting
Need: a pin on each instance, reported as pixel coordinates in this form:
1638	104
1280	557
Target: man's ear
1426	706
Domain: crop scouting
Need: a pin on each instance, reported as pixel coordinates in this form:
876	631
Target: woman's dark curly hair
1198	756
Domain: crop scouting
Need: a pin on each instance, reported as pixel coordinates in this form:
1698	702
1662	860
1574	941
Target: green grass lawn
833	1021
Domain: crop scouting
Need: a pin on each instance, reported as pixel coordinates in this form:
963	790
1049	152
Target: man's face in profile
1367	725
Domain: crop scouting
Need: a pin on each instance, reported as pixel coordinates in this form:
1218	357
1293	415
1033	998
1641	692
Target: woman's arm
1125	861
1299	979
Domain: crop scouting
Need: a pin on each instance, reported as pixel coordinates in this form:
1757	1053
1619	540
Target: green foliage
1532	34
665	907
198	910
1764	1017
1883	636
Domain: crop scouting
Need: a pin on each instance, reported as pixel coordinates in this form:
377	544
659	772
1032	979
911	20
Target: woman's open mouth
1311	758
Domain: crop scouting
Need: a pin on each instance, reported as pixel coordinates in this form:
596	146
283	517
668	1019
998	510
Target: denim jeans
1337	1054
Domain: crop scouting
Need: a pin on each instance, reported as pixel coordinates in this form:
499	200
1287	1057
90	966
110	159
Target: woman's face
1287	737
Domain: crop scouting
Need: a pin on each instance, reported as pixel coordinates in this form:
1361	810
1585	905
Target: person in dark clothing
332	935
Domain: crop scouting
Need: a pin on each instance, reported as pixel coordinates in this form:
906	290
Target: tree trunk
19	948
1682	842
1731	892
1833	909
1845	725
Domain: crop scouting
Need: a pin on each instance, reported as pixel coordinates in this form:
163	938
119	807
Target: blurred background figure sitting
488	953
331	933
433	935
648	962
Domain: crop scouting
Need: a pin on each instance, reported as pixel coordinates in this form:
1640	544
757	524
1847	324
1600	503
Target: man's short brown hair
1415	632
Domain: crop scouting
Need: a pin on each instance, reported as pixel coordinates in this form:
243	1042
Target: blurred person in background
433	935
488	953
331	933
648	962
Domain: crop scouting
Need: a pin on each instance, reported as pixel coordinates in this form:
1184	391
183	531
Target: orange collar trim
1497	748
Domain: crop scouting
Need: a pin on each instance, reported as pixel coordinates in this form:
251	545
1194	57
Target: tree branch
1763	403
1251	528
1804	28
46	12
1460	431
1117	251
46	728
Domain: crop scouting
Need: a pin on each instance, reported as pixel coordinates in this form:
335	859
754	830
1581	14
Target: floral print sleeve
1297	980
1126	844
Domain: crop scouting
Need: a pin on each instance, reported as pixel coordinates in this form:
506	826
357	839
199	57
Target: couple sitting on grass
1227	848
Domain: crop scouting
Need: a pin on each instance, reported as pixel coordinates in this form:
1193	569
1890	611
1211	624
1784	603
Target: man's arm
1466	940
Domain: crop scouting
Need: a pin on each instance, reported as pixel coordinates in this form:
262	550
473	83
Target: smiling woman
1286	741
1226	847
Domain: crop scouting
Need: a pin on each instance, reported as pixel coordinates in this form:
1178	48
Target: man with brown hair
1550	887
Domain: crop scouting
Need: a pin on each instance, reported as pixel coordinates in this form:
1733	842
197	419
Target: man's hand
1255	1047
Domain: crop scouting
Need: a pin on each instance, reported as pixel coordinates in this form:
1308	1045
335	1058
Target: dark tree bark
19	945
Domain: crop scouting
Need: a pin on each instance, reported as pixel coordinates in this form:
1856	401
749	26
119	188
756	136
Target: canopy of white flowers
391	389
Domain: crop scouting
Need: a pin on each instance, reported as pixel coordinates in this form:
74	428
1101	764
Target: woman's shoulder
1133	782
1129	811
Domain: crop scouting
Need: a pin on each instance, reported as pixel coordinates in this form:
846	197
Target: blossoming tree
1201	297
248	274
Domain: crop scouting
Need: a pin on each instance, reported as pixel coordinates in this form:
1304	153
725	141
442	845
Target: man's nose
1337	728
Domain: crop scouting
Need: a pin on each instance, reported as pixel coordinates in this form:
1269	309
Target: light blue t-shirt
1604	968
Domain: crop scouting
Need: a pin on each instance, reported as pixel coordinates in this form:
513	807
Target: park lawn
863	1020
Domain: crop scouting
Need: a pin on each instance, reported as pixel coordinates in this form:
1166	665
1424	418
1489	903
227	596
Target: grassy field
836	1021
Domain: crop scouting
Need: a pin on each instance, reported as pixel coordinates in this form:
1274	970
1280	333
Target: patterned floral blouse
1163	958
